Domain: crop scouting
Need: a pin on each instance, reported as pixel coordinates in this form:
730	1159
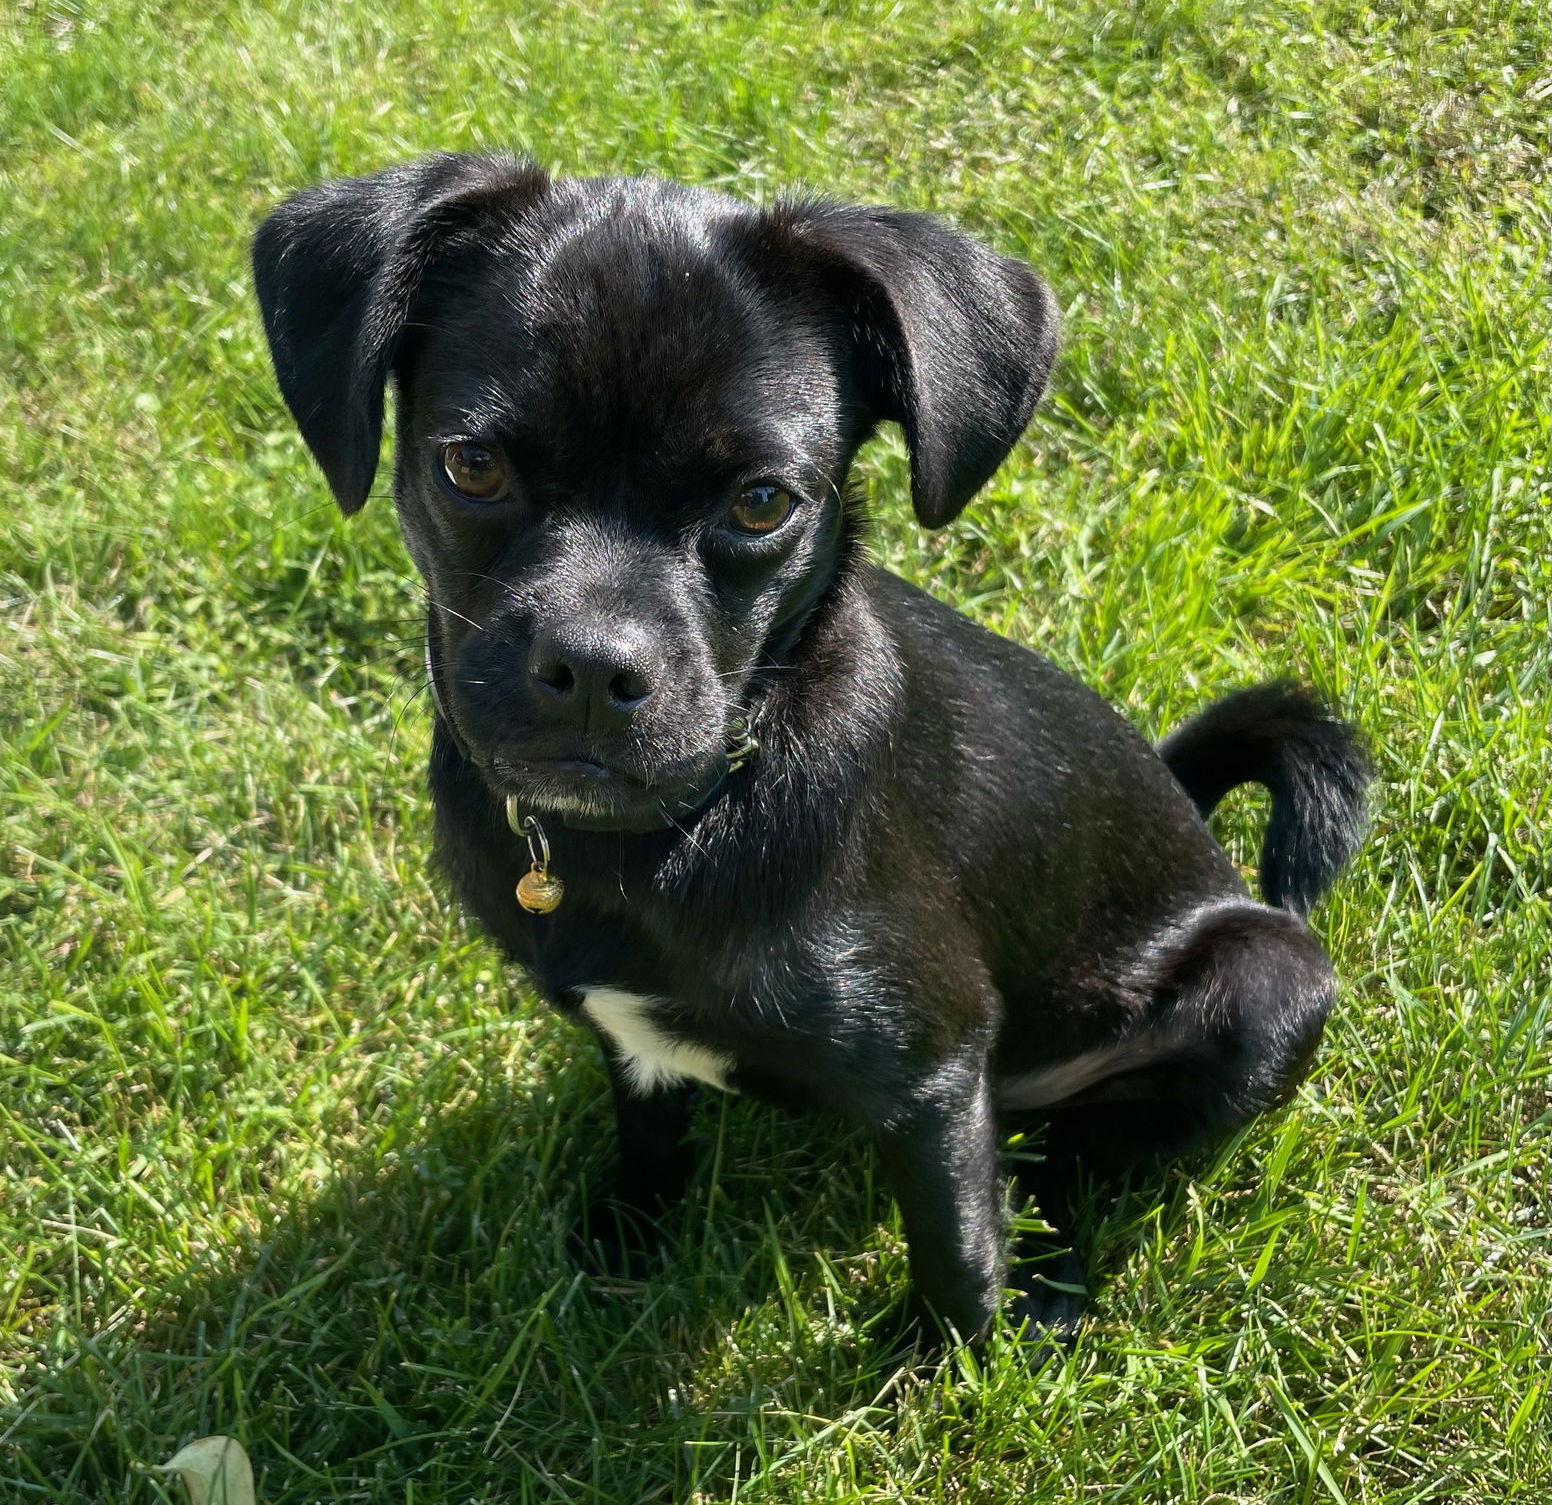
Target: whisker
503	585
688	836
405	709
760	669
418	584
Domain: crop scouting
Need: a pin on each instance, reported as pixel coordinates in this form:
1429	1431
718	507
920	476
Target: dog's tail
1315	766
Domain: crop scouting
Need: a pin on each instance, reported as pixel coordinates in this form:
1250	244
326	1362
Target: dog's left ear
950	340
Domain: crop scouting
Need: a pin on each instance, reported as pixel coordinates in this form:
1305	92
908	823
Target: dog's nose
595	678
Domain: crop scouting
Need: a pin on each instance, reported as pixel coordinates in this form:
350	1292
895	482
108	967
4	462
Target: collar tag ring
539	891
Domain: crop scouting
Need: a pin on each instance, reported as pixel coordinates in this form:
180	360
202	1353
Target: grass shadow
420	1324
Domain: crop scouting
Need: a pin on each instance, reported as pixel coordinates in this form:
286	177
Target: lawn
286	1154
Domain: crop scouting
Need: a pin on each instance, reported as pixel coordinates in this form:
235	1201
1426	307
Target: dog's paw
1045	1314
909	1333
617	1238
905	1341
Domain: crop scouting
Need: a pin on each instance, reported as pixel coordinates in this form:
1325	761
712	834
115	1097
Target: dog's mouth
578	766
591	795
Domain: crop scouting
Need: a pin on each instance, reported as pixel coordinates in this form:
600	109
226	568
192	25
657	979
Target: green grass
286	1154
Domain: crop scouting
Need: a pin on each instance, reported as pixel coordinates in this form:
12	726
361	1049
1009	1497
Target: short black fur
951	889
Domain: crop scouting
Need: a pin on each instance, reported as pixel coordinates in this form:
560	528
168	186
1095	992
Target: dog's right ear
337	269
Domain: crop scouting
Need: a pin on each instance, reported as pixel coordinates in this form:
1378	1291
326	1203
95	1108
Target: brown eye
475	471
761	509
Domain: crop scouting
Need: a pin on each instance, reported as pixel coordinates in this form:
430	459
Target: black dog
822	840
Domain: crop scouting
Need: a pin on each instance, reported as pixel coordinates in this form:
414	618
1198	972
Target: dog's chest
652	1057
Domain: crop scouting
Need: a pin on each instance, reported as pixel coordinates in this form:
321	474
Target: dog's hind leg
1239	1000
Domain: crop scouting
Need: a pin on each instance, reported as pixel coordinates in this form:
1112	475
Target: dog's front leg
941	1163
653	1165
650	1124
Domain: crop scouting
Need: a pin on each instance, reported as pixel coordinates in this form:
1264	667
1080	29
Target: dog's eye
475	471
761	509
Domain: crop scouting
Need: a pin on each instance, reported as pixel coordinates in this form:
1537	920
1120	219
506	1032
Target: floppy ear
337	268
952	341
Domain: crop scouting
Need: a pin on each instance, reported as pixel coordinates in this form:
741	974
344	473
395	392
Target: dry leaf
215	1471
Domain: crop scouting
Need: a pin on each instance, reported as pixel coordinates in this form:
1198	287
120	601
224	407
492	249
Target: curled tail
1315	767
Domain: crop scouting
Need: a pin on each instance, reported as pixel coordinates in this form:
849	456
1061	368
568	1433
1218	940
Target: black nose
596	677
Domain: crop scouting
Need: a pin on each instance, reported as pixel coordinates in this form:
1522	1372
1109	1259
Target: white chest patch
652	1058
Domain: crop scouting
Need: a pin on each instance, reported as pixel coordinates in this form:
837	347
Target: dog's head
625	414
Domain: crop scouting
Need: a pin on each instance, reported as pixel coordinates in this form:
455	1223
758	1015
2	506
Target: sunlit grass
287	1156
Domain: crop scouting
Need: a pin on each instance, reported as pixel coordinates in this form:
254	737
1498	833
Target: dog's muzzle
652	815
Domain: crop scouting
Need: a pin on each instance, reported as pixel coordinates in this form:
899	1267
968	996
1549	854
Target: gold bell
539	891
